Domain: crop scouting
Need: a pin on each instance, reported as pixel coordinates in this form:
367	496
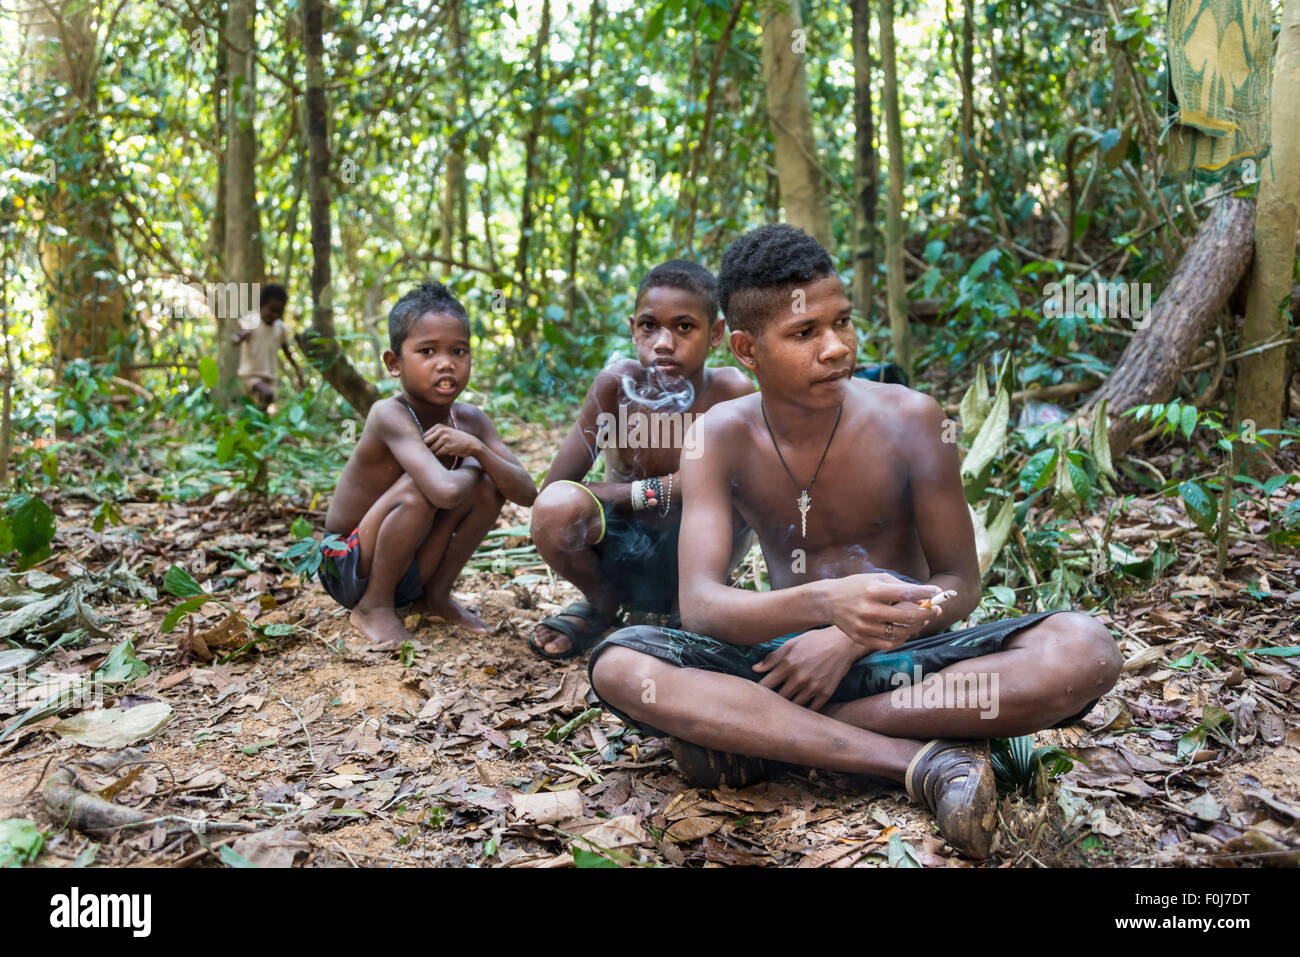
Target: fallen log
87	812
1180	319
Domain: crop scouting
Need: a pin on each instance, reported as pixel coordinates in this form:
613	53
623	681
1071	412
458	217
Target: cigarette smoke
658	393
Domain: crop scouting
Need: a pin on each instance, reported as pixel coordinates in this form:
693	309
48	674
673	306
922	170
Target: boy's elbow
694	612
451	493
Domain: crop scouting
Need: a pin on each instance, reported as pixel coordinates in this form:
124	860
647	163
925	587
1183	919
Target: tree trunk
243	230
1180	319
87	308
894	286
532	138
319	344
866	166
6	374
577	194
803	188
453	180
967	77
217	235
1261	379
689	194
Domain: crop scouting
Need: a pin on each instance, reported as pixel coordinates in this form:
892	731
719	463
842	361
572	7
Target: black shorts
638	559
338	575
871	674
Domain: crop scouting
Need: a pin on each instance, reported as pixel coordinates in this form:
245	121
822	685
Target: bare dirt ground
309	749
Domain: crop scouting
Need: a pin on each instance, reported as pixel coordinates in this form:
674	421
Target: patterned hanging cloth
1220	80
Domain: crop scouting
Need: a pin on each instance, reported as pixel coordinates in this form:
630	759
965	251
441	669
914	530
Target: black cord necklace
804	502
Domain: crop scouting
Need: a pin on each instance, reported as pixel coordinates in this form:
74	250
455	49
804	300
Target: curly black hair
427	297
761	267
686	275
272	292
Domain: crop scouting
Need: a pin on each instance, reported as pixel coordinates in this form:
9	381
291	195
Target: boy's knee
1081	657
617	674
412	500
562	511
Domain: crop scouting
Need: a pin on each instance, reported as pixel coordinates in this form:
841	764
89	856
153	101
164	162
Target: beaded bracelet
649	493
668	497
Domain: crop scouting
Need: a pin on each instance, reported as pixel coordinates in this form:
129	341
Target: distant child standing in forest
424	484
261	336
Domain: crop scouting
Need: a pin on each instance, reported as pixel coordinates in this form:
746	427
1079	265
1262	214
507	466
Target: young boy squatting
616	540
783	675
425	482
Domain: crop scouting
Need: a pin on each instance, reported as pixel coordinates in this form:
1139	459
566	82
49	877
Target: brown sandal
706	768
954	779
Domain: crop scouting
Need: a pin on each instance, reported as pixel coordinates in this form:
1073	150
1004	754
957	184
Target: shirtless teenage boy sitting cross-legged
805	674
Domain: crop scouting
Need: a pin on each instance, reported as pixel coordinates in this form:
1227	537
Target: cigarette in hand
938	599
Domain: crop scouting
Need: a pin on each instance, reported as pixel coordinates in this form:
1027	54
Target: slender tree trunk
1186	311
684	230
803	186
579	179
319	344
467	94
244	262
7	375
453	179
865	166
1261	382
217	237
895	287
77	247
968	87
527	215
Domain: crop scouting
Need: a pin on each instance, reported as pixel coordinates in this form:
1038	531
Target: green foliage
304	557
20	842
585	858
27	527
1019	766
181	583
121	666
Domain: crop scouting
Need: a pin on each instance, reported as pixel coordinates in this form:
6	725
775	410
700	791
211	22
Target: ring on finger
889	629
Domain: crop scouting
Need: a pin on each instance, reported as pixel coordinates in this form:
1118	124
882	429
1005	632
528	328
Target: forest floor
308	748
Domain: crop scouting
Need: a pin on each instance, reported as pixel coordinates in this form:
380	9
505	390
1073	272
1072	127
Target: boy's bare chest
371	471
639	442
859	494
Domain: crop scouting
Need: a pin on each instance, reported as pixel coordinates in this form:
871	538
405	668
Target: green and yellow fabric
1220	73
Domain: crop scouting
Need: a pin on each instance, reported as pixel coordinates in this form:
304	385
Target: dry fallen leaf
547	807
617	832
693	828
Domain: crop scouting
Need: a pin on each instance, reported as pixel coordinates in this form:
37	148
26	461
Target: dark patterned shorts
338	576
870	675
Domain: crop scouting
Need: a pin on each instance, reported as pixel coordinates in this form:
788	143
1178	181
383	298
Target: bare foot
453	613
555	642
381	625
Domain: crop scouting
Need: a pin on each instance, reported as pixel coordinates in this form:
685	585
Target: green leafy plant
177	581
20	842
27	527
304	557
1020	767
